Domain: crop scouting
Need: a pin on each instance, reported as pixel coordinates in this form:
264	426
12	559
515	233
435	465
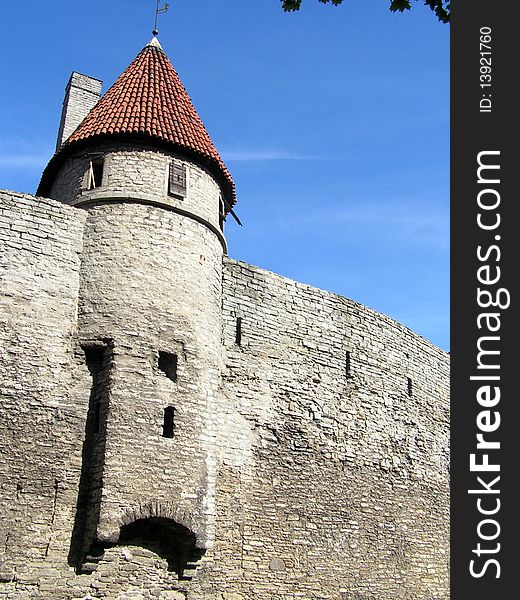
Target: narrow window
221	213
168	364
169	422
94	358
238	332
409	386
347	363
95	173
99	358
177	179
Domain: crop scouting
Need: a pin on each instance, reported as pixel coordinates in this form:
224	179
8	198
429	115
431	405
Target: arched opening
168	539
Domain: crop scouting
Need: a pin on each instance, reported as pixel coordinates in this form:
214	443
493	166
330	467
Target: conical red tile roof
148	100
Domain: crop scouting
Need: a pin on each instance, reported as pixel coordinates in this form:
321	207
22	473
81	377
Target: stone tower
155	190
176	424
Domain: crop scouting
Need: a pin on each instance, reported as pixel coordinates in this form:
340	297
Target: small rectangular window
238	332
169	422
409	385
168	364
177	179
95	173
347	363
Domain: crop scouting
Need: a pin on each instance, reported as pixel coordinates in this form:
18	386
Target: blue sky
333	121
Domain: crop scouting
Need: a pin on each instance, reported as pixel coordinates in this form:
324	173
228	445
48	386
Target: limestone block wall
139	172
334	480
151	284
41	423
309	452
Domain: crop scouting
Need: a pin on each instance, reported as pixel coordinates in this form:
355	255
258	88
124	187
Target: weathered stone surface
308	455
42	418
137	171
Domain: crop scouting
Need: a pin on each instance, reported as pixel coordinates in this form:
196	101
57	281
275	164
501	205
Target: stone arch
168	539
165	529
166	510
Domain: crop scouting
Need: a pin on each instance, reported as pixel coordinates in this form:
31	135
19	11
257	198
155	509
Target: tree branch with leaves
441	8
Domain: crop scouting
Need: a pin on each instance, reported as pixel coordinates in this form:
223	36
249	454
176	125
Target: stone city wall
309	453
334	481
41	422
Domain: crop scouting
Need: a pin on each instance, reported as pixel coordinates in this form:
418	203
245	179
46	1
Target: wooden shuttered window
177	179
95	173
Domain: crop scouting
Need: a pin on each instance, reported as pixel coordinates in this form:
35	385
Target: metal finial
158	11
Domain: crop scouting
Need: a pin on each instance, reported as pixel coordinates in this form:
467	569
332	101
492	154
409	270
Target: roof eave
67	149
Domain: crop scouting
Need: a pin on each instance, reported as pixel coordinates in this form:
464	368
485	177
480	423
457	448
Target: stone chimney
81	94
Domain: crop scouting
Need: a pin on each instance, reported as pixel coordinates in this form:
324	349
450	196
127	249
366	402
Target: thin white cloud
23	161
265	154
19	152
406	223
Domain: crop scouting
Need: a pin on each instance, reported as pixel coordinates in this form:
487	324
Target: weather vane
159	11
